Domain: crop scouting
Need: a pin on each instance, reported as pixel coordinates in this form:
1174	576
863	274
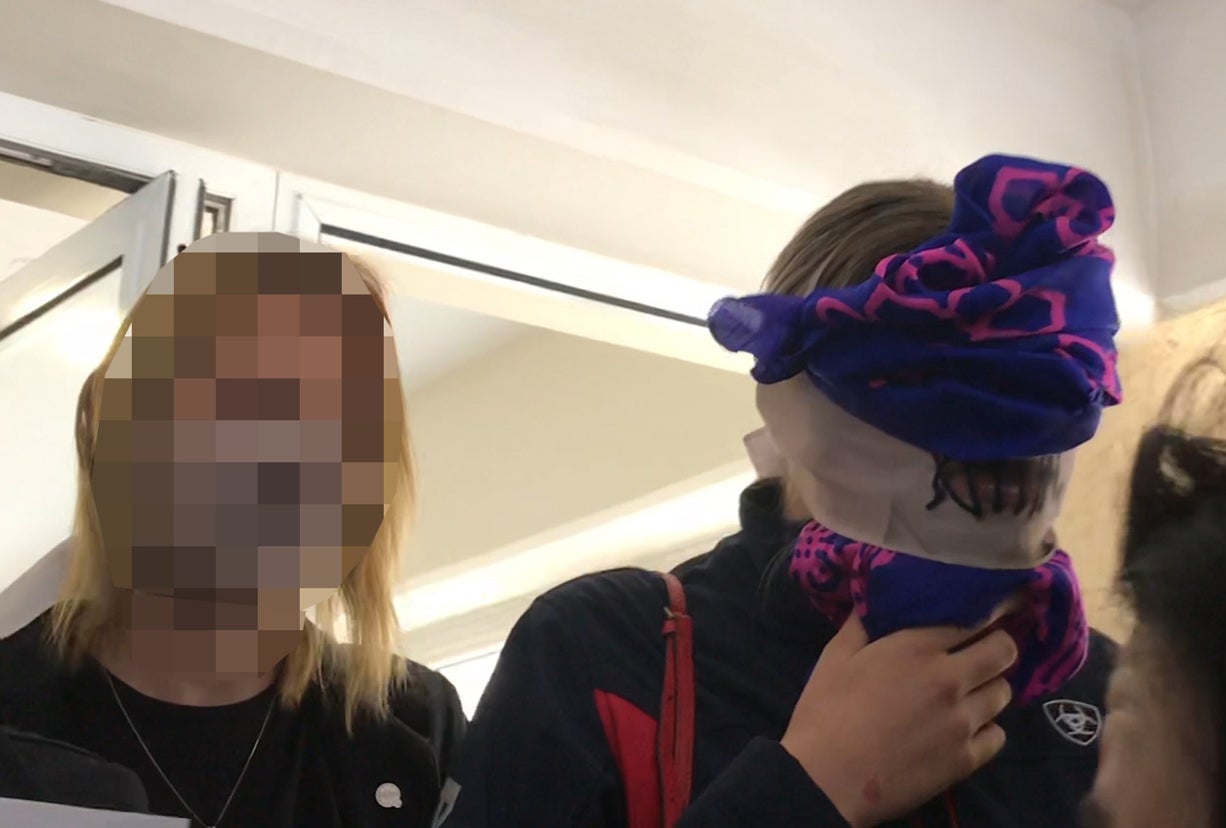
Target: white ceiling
690	135
694	144
747	98
1130	6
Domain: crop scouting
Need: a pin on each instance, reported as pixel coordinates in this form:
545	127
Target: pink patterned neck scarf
891	591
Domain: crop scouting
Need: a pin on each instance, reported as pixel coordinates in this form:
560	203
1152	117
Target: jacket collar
768	536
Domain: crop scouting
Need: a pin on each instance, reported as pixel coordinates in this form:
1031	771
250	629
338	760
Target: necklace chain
224	808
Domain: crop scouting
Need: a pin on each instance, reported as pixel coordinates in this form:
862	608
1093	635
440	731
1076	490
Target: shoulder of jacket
424	690
615	590
55	771
1091	683
26	741
27	662
30	639
1103	649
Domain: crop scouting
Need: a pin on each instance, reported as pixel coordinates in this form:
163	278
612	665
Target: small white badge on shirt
388	795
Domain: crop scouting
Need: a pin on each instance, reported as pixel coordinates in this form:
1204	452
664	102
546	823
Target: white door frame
123	229
252	187
132	234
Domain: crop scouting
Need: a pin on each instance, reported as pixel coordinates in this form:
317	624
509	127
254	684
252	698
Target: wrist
826	779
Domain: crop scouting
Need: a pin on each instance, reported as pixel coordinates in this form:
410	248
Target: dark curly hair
1173	573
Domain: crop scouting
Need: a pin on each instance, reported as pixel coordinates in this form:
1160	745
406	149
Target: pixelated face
250	432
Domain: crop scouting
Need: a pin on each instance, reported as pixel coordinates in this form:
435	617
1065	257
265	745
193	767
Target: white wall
1184	68
552	429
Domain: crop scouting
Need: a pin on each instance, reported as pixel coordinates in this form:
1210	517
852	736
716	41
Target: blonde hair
841	244
365	671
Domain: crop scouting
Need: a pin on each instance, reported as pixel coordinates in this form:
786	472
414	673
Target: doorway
84	241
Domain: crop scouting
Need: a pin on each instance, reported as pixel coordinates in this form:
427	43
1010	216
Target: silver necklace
224	808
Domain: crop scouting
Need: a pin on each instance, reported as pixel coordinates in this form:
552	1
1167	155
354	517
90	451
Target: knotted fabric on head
993	341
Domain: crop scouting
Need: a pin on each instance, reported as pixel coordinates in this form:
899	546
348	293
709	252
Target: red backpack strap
676	733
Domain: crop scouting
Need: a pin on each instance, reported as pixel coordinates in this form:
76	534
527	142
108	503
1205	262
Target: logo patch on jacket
1076	721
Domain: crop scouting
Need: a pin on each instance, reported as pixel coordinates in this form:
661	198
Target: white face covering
767	462
862	483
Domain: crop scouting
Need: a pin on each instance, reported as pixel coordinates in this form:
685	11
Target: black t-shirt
201	750
307	770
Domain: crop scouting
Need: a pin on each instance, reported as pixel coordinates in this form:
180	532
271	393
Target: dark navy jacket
566	730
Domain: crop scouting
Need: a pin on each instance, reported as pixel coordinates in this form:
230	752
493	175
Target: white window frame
251	187
133	234
263	198
123	230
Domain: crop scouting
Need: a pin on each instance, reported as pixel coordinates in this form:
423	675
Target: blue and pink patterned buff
994	341
891	591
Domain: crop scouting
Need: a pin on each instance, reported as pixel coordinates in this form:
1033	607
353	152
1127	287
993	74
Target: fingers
850	639
1010	605
1014	603
984	660
986	703
984	746
948	639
